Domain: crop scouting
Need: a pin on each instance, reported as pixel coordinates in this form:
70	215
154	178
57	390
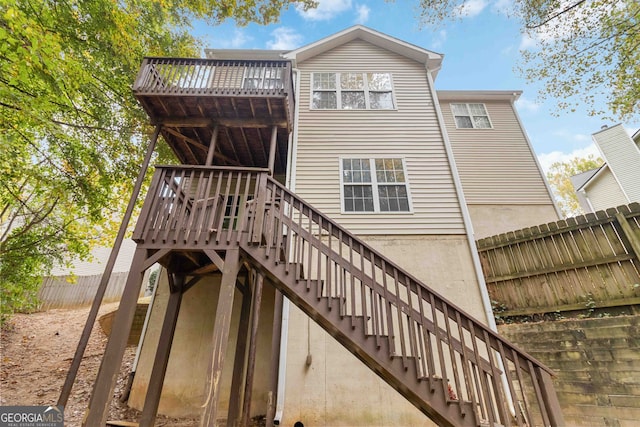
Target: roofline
604	129
593	177
431	60
244	54
479	95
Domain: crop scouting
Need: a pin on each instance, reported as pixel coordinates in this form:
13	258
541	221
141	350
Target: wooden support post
272	149
253	346
212	146
632	237
258	222
106	275
220	335
275	359
237	382
154	389
112	358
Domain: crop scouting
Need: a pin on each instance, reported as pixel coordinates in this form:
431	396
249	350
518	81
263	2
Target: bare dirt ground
35	354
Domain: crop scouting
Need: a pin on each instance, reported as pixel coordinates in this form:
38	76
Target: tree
71	132
559	176
582	49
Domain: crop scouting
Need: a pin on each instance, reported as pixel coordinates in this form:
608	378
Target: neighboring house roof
582	180
248	54
431	60
479	95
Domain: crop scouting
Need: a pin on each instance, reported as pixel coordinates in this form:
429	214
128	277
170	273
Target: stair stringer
376	356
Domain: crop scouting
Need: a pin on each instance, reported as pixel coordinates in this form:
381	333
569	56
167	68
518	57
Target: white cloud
362	12
439	40
237	41
326	10
525	104
471	8
547	159
504	7
528	42
284	38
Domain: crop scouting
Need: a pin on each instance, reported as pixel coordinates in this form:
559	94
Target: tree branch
552	17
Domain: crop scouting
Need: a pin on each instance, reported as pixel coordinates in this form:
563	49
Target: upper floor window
374	185
352	91
471	116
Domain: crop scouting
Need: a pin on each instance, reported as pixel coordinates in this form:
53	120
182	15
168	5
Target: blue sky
481	51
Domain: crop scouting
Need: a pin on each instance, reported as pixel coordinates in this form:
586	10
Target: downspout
466	218
290	182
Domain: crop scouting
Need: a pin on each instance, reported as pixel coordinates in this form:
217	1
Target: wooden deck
244	100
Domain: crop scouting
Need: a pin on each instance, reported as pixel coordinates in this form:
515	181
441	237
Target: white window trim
473	126
374	185
338	91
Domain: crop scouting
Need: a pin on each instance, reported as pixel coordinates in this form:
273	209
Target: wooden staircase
451	367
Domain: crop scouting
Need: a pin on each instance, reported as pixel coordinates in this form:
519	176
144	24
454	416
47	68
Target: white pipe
291	184
466	217
146	321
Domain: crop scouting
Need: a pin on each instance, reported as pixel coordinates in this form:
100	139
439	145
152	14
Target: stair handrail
273	194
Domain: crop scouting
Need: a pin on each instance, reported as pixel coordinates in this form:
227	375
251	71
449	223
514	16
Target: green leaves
559	176
584	49
71	132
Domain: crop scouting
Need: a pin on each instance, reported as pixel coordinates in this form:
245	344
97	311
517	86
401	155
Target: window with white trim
351	91
374	185
471	116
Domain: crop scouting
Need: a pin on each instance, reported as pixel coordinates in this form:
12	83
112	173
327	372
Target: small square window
471	116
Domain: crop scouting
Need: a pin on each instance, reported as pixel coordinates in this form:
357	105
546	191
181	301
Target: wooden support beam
237	381
272	149
220	336
212	146
203	122
154	388
112	358
106	275
253	347
275	359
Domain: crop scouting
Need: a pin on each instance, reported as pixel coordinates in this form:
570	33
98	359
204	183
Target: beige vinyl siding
496	166
604	192
411	131
623	158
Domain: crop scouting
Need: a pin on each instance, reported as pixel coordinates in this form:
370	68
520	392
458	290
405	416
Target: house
334	175
617	181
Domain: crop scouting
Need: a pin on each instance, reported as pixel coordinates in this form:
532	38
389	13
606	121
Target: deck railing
445	345
208	77
192	206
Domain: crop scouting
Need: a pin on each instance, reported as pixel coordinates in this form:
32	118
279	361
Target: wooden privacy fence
59	292
583	262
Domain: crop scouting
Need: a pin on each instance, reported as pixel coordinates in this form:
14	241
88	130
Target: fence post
634	240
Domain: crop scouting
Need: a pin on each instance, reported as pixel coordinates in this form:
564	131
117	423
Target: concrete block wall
597	362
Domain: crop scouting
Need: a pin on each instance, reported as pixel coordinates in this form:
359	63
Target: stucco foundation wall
489	220
336	389
597	362
186	378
